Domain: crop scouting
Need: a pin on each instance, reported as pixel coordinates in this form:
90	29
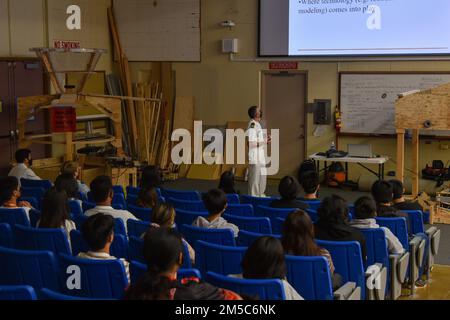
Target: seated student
364	218
215	202
98	231
333	223
226	183
67	182
297	239
163	253
383	192
23	167
10	192
399	200
151	179
264	259
288	189
163	216
55	212
73	168
311	185
102	192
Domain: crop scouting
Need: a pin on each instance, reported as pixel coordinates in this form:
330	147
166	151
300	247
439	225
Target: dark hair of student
288	188
226	183
310	181
252	112
97	229
382	191
151	178
365	208
22	154
67	182
397	188
162	250
147	198
298	235
55	209
332	211
101	188
7	187
163	215
264	259
215	201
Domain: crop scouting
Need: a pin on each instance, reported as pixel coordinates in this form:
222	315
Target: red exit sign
283	65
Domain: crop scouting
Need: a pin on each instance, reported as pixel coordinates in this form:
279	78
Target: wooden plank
184	113
400	155
415	161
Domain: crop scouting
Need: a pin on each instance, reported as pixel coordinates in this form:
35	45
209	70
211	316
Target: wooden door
283	98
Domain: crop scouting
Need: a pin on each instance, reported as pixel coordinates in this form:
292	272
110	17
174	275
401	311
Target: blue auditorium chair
253	224
257	201
187	217
119	246
187	205
54	240
17	293
37	193
133	190
416	246
233	198
118	190
143	214
47	294
245	210
219	236
277	225
13	216
31	200
266	289
313	204
37	269
311	278
181	195
347	259
6	236
218	258
35	217
137	228
396	265
76	207
28	183
273	213
137	269
101	279
246	238
135	252
87	205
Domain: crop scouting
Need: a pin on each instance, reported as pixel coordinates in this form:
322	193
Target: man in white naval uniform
257	172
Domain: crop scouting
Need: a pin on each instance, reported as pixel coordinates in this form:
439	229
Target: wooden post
415	162
401	154
69	146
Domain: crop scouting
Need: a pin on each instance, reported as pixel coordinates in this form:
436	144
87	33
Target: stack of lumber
147	122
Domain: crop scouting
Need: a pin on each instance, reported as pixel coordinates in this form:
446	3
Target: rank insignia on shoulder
252	125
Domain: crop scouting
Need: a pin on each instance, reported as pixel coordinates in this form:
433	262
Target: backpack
336	174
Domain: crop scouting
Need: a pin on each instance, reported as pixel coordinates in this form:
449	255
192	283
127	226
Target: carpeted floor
204	185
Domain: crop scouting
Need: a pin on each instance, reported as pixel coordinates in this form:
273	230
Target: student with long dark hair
67	182
264	259
297	239
333	223
163	255
55	212
150	180
226	183
163	216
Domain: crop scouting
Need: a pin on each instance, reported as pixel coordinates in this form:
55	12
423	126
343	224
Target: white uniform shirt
256	155
22	171
122	214
104	256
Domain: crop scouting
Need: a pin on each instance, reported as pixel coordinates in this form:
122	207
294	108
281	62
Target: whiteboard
367	101
159	30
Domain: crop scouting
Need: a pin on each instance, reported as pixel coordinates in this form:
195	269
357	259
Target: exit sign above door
283	65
